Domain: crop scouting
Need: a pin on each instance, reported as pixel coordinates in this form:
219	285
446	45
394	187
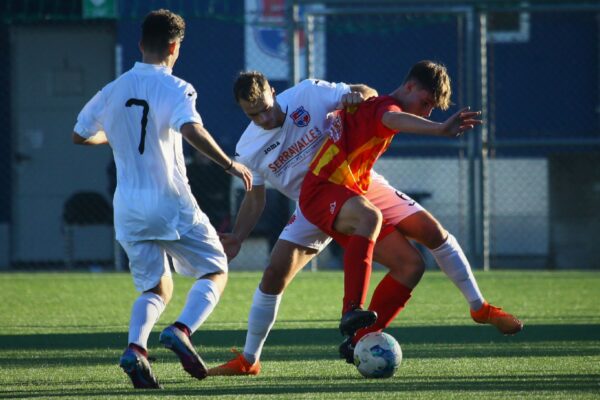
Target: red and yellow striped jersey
356	139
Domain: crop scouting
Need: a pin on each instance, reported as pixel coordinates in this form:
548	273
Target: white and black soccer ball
377	355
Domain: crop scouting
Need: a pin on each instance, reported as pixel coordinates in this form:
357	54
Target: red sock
183	328
139	349
388	300
357	271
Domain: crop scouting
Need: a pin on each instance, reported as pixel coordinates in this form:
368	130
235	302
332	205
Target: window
508	26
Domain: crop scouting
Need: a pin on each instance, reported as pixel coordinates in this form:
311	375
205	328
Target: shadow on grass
451	342
474	334
347	387
314	344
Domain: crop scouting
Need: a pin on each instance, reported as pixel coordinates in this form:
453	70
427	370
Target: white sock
145	312
201	301
260	321
454	263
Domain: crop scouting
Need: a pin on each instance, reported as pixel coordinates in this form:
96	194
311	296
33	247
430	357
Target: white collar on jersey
140	66
277	128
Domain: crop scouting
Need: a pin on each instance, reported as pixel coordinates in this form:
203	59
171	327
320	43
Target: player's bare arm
202	140
457	124
248	215
97	139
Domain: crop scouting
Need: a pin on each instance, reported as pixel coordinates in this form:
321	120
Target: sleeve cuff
179	123
82	131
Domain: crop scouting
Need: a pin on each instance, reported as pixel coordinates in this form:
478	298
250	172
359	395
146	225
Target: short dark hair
434	78
159	29
250	86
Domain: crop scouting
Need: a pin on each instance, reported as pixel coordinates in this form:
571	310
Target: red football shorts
320	202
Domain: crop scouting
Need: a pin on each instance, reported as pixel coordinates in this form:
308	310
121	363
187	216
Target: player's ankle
251	358
183	328
476	305
139	349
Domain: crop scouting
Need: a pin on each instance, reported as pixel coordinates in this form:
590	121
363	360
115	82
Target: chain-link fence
542	196
378	45
523	191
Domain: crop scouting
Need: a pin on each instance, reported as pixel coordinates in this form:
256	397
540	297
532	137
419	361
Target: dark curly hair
160	28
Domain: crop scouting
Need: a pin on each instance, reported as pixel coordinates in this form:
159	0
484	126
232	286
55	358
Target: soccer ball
377	355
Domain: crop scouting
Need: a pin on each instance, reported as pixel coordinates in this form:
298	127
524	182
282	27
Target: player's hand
231	245
350	101
460	122
243	173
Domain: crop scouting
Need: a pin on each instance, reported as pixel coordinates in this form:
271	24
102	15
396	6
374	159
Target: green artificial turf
61	335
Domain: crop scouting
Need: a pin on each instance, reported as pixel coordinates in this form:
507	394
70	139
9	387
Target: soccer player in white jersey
277	146
143	115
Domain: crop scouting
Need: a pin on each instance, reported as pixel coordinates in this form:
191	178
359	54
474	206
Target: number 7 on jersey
146	108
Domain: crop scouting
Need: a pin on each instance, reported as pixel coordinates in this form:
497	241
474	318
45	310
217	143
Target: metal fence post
293	42
484	183
472	74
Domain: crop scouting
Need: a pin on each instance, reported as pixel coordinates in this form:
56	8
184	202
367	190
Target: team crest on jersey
301	117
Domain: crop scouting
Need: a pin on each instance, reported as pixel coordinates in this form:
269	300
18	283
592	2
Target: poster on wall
266	40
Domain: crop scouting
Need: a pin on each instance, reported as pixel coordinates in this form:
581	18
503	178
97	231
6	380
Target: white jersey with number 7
141	113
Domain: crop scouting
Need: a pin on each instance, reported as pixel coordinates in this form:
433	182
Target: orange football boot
503	321
237	366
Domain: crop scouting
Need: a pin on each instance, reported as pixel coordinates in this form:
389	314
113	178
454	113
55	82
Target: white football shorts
198	252
394	205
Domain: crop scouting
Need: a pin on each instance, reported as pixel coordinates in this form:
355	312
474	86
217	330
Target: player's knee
372	216
218	278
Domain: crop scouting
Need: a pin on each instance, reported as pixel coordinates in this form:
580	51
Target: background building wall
540	92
